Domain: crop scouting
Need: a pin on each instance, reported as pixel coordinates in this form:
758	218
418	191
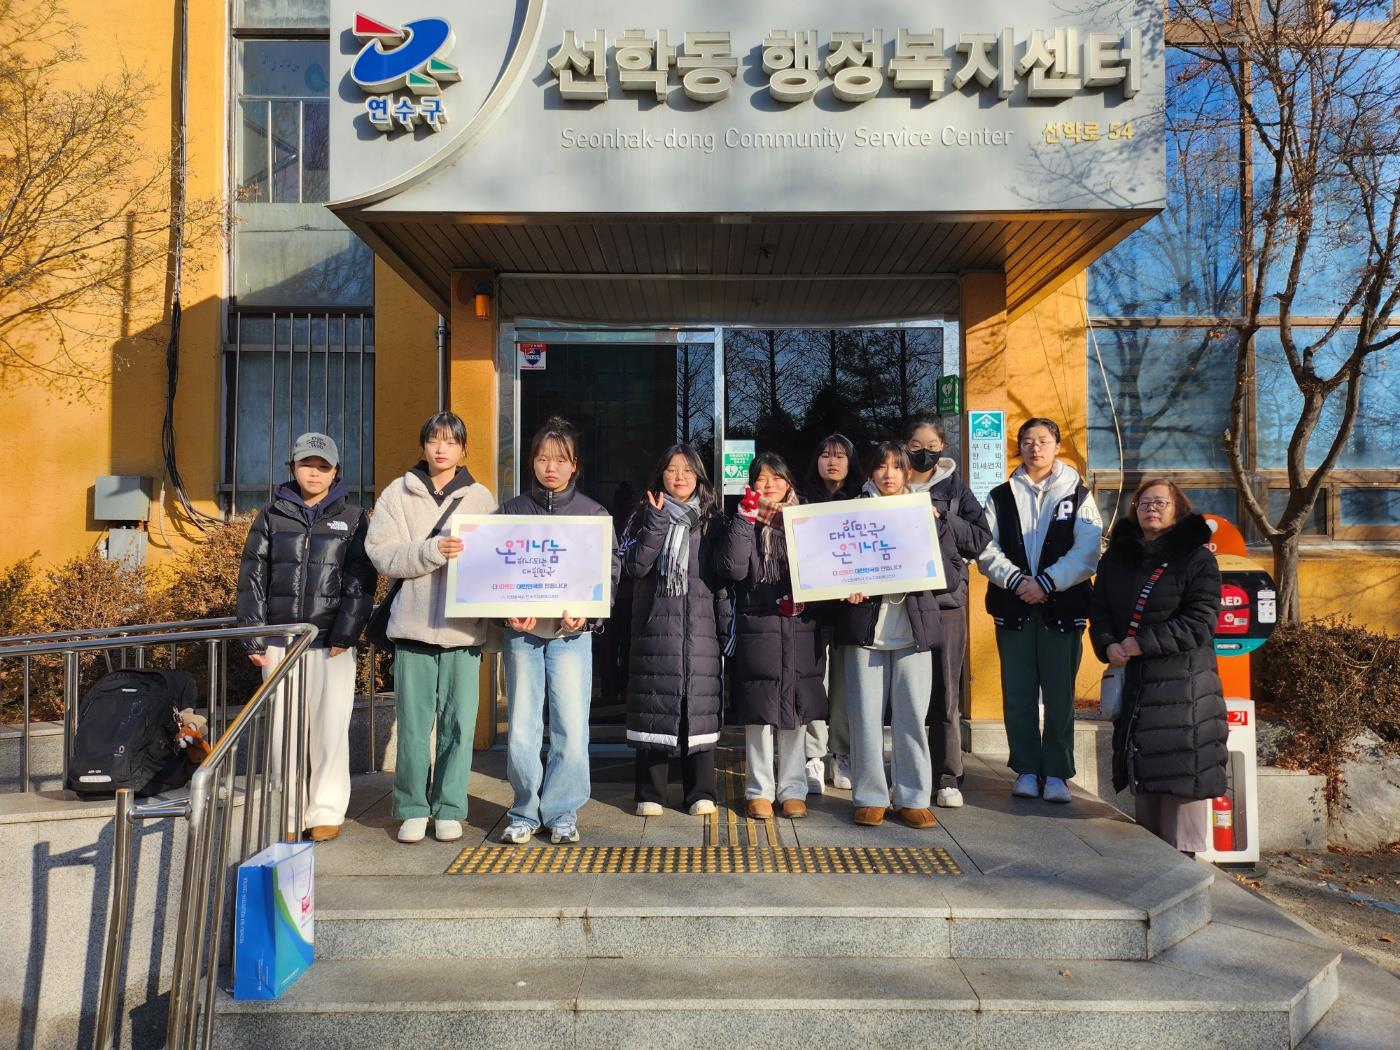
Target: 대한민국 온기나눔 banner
530	565
886	545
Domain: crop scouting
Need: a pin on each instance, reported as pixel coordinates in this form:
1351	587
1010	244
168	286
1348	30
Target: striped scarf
772	537
674	563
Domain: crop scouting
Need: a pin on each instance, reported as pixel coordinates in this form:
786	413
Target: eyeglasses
678	475
1039	443
1154	504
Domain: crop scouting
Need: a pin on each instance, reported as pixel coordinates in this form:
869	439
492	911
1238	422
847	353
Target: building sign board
986	451
708	108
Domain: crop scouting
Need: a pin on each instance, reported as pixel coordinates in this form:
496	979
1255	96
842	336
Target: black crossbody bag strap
377	629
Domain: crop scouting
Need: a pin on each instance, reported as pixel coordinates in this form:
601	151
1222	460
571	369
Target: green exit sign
949	395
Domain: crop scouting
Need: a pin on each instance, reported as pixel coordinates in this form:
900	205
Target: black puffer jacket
966	535
779	661
307	564
675	664
1169	738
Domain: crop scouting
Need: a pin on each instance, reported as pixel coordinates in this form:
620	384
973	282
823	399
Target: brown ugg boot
759	808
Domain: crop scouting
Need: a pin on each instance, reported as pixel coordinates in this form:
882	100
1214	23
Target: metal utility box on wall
122	497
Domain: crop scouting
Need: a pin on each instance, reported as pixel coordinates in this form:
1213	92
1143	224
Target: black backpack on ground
126	734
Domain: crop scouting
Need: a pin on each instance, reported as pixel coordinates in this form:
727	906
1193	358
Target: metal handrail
205	876
110	632
137	637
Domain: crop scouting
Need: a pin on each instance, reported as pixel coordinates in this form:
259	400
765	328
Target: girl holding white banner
835	474
892	643
553	659
680	613
779	658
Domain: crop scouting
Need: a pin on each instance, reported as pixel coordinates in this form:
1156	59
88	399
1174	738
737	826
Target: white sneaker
650	809
1027	786
517	833
447	830
413	829
563	831
949	798
841	772
816	776
1056	790
703	808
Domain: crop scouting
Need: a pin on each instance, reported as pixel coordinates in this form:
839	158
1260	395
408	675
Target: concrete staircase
1067	927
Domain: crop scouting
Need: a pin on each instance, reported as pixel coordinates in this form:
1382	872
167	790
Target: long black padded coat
779	661
1169	737
307	564
674	667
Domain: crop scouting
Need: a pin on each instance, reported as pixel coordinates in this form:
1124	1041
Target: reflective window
284	127
1315	524
1370	507
282	14
1375	436
1186	261
1171	396
1336	252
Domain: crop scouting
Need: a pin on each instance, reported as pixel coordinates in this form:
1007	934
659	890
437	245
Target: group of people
814	684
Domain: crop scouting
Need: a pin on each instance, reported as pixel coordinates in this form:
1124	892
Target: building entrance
631	393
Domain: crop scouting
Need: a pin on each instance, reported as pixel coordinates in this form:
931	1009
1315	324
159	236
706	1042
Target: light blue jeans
904	679
559	670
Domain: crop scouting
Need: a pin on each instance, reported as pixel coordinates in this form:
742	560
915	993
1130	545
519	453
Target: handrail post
115	953
24	734
71	670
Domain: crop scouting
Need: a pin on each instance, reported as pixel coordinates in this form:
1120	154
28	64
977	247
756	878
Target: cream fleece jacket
398	544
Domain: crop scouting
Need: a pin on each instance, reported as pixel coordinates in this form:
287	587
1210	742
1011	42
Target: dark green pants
1039	663
441	686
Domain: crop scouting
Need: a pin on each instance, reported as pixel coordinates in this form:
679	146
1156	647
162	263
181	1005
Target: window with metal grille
284	130
289	373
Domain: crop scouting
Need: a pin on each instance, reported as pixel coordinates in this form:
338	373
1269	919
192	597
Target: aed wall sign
625	106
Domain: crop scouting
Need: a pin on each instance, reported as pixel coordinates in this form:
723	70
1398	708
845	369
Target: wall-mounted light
482	291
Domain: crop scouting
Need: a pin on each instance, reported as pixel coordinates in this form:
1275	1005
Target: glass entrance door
630	395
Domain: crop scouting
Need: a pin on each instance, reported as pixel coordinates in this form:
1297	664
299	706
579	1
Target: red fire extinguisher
1222	819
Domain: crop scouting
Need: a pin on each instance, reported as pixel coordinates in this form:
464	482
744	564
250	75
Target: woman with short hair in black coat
680	613
1169	736
779	658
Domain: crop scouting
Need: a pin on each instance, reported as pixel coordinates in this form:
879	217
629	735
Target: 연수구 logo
409	58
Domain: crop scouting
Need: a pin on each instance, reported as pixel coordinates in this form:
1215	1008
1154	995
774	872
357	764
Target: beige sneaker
703	808
650	809
413	829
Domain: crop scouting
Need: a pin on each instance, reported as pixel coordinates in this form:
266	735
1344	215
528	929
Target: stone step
758	915
1222	987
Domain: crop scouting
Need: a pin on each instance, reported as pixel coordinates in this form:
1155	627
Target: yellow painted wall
406	373
55	441
1032	366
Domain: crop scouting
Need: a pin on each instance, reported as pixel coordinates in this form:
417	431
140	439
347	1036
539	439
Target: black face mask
924	460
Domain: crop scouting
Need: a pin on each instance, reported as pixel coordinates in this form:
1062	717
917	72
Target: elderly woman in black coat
1169	736
779	658
680	614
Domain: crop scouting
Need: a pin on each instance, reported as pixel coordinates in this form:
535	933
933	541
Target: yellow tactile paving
704	860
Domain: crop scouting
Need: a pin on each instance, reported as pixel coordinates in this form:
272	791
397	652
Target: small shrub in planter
1327	681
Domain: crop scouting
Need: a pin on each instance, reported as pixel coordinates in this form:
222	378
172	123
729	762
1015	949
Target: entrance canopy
709	167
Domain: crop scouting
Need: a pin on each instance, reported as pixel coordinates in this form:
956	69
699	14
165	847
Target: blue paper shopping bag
274	915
